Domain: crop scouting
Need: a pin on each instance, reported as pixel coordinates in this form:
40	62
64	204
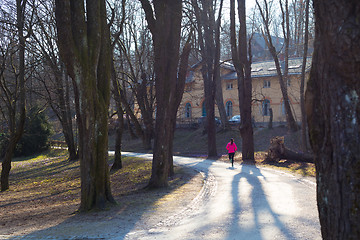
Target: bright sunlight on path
244	202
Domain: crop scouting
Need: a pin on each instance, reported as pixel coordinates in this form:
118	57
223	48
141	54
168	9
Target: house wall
194	94
274	95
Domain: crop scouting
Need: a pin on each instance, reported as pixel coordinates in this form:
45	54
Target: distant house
260	51
266	92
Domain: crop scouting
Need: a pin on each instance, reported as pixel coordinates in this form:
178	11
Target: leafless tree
137	73
209	42
304	141
265	13
13	90
333	113
84	44
56	84
164	21
242	62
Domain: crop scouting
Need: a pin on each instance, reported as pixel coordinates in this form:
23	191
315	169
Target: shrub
36	133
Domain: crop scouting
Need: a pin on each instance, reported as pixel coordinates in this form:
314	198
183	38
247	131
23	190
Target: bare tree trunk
165	27
85	48
217	76
304	140
209	47
65	115
120	124
283	85
118	140
6	163
146	112
243	70
17	118
333	114
61	104
270	126
72	144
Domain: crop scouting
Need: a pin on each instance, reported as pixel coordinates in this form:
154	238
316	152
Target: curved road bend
244	202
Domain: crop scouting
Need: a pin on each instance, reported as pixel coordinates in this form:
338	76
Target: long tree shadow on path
254	218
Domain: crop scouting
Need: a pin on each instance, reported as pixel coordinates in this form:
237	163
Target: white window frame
229	86
266	84
229	108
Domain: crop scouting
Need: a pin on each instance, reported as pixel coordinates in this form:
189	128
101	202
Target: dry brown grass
45	191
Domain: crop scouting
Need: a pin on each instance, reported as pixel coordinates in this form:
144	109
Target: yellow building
266	92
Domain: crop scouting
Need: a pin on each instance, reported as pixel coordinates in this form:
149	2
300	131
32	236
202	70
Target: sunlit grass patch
301	168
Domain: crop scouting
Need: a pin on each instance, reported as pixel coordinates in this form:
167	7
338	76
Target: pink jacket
231	147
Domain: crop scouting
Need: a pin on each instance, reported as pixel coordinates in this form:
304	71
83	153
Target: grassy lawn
45	189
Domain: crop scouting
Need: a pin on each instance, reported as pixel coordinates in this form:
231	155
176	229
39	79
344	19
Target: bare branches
149	13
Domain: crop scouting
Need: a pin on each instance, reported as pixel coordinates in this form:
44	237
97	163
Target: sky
250	4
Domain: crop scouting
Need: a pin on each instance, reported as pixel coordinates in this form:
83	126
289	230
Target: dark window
229	106
188	110
266	107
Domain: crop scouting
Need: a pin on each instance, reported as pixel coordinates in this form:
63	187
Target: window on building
188	110
283	112
203	110
288	81
266	83
229	86
283	108
229	108
266	107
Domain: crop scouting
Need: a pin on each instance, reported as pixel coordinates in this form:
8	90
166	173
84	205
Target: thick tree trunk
85	48
6	164
210	124
165	27
333	111
243	70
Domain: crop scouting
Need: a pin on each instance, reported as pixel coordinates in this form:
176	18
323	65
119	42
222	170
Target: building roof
268	69
259	69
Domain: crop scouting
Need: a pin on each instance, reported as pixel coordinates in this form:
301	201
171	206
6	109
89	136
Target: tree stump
277	151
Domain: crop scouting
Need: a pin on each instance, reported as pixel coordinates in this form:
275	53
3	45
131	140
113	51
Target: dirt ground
48	194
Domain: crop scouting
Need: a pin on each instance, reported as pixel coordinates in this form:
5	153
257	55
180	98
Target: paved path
244	202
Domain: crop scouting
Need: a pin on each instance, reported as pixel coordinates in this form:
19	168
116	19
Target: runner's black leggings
231	157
